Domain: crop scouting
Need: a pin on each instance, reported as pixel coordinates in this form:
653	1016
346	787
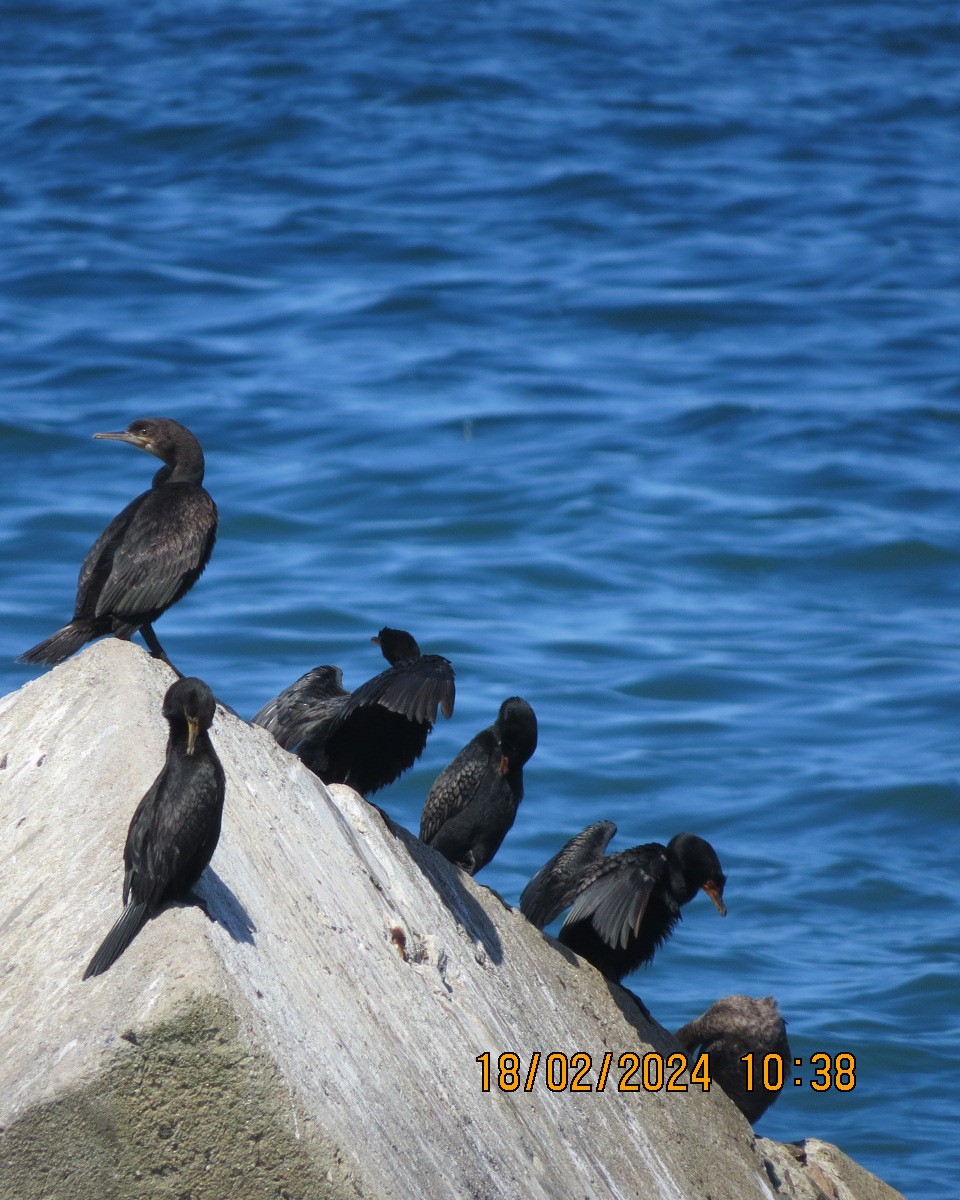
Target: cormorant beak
141	441
714	893
193	724
504	767
376	641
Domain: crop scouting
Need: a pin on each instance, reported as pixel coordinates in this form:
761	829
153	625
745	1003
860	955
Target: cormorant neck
183	464
681	886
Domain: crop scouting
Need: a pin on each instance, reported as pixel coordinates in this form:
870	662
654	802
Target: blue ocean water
609	348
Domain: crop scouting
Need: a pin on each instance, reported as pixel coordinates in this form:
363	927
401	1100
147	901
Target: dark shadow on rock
443	875
221	905
636	1013
446	880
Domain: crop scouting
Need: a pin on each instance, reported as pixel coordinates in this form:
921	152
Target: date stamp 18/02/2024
653	1072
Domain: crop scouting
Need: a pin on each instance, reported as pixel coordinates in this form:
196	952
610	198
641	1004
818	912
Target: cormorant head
700	868
396	645
191	702
167	440
517	727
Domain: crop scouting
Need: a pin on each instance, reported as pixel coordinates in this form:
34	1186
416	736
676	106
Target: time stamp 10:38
655	1072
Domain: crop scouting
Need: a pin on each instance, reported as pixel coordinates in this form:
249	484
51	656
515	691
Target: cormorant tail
60	645
118	939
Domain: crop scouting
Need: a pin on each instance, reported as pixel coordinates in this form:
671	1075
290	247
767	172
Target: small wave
902	554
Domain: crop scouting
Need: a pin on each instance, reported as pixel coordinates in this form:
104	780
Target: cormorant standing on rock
149	555
625	905
731	1028
369	737
474	800
175	829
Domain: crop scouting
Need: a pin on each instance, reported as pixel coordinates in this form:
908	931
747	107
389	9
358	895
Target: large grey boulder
319	1037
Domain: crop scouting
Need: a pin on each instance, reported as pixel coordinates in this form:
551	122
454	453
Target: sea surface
610	348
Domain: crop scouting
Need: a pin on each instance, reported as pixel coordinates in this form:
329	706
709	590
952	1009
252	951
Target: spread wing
305	708
614	894
414	689
366	748
557	884
160	551
458	783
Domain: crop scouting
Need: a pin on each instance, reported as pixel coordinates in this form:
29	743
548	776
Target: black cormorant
149	555
474	800
731	1028
623	906
175	829
366	738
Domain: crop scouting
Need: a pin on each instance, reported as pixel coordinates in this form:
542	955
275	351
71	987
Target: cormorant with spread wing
366	738
626	905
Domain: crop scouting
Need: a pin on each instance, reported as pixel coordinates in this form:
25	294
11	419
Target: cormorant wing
164	547
558	882
175	828
303	708
141	882
96	567
414	689
458	783
615	894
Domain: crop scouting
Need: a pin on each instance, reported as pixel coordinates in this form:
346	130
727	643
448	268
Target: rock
319	1037
815	1170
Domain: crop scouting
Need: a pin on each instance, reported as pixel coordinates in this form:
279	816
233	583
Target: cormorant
731	1028
625	905
474	800
175	829
369	737
149	555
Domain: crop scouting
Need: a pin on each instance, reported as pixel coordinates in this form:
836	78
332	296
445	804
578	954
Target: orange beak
714	893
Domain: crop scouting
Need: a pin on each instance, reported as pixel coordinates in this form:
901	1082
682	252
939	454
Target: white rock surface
364	973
